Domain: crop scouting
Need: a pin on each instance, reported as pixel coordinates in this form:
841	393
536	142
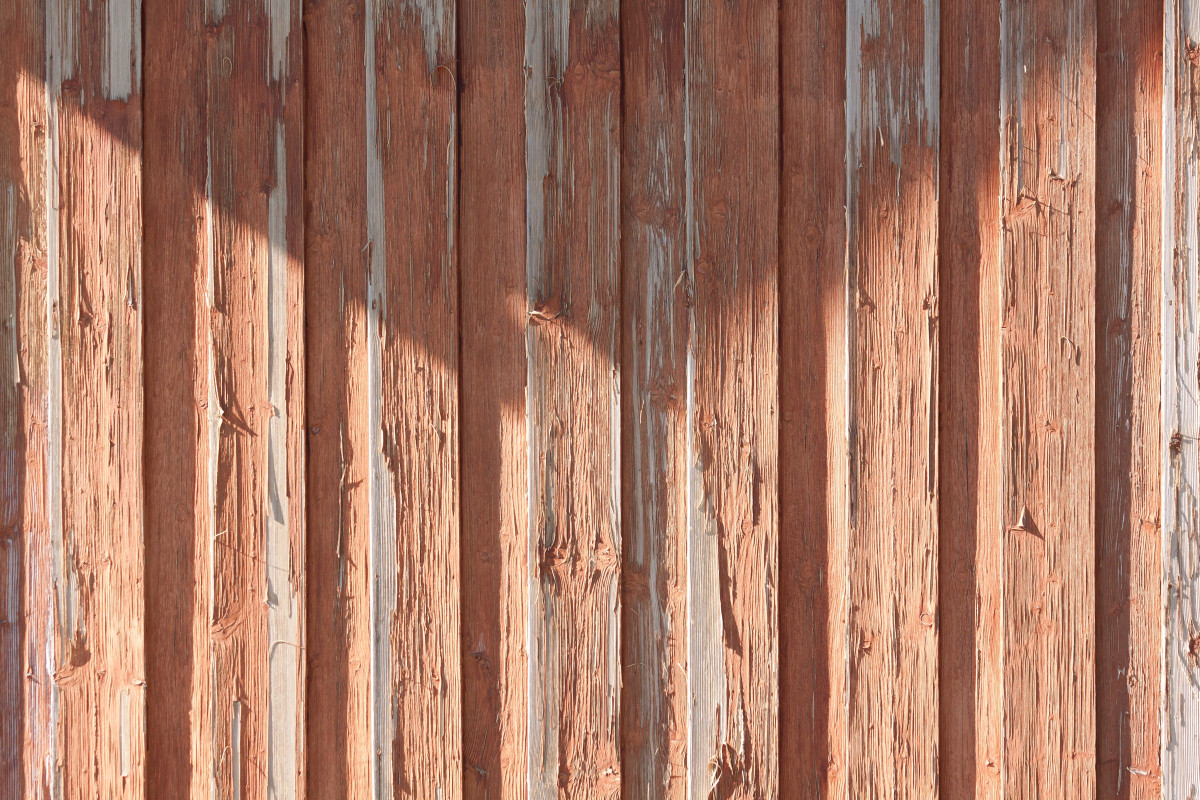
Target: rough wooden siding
572	201
732	186
690	398
970	566
813	456
26	599
892	316
1180	722
1048	355
495	470
1129	437
655	332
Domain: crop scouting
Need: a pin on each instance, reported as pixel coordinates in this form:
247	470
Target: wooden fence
577	398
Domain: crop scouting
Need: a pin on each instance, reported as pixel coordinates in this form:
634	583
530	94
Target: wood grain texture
1128	374
740	400
26	600
339	745
495	471
1048	266
813	456
248	665
970	549
1180	720
655	334
732	140
412	399
175	171
573	203
891	213
94	377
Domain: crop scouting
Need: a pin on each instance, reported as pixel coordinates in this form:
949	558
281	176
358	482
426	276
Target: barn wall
577	398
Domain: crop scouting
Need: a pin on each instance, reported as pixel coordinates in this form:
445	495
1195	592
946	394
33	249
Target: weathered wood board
573	205
175	164
93	352
732	196
495	473
338	737
813	456
411	396
655	328
970	566
1048	374
892	306
1129	439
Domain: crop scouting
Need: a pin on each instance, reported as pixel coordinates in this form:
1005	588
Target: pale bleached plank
94	378
1048	346
732	205
1180	727
892	135
412	388
381	495
572	201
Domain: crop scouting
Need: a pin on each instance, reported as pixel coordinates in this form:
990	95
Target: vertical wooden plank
654	324
970	576
492	398
813	459
94	308
732	140
1128	430
1180	721
572	200
249	738
891	212
174	173
412	408
26	607
1047	253
339	744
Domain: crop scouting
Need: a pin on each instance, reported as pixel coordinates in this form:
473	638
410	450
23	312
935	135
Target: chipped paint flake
125	732
279	26
123	46
437	19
